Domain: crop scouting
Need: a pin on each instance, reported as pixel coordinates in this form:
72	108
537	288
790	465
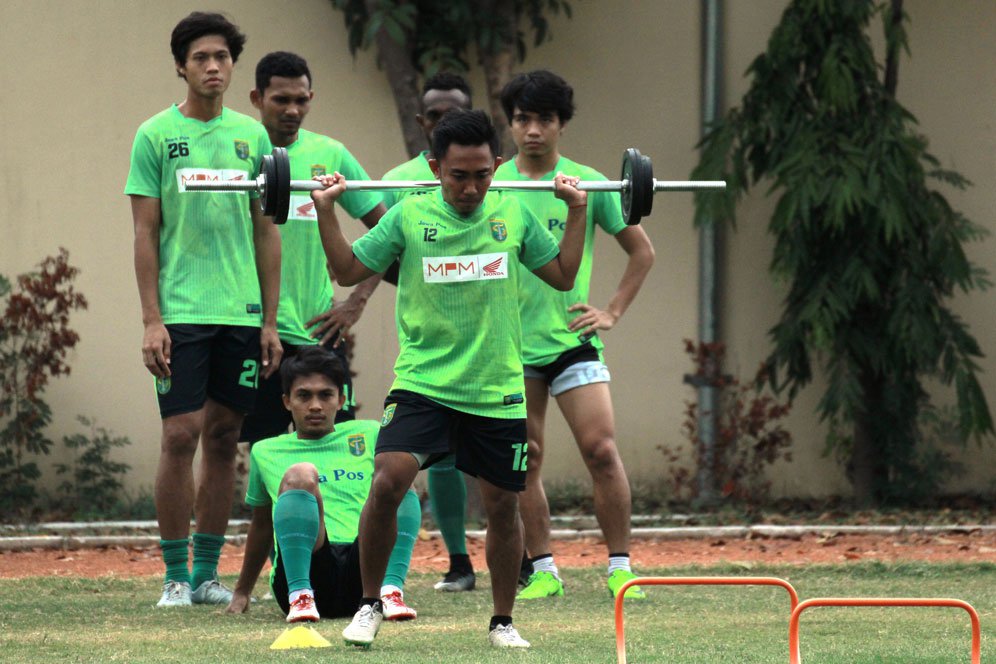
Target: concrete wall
79	77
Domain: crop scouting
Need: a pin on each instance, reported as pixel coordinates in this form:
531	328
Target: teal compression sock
296	527
448	493
175	558
207	550
409	521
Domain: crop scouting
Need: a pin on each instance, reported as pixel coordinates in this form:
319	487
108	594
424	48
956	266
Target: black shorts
335	579
220	362
270	418
491	448
583	353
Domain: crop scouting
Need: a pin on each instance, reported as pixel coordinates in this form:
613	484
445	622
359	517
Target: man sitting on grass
307	489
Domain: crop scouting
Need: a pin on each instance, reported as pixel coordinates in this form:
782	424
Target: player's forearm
371	218
572	244
361	294
640	252
147	275
259	539
338	250
267	243
637	268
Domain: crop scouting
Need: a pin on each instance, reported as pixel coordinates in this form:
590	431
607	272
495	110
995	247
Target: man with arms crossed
208	270
458	385
307	489
306	314
441	93
561	350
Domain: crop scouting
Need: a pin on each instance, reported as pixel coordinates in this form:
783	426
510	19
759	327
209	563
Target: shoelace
393	599
303	602
174	590
366	616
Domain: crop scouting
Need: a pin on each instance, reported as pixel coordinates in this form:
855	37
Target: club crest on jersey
242	149
388	414
164	385
498	231
317	169
357	444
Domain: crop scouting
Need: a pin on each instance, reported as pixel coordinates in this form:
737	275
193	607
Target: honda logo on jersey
302	208
448	269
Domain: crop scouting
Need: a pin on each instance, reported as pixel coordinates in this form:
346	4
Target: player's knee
535	453
601	455
303	476
387	488
222	436
502	509
179	441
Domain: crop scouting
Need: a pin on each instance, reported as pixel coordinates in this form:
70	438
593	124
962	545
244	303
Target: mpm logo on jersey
449	269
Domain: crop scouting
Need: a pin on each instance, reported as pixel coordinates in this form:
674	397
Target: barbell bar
636	187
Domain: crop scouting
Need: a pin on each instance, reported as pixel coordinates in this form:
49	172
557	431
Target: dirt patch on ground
430	554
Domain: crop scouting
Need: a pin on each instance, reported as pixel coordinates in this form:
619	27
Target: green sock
409	521
175	557
207	550
448	493
295	524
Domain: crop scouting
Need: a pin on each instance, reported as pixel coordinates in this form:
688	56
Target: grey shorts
575	368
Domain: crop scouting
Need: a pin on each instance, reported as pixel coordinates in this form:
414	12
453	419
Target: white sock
545	564
619	562
297	593
387	590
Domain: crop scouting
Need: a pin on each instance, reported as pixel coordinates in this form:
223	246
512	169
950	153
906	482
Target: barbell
636	187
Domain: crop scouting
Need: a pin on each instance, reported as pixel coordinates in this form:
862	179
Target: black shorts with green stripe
491	448
217	362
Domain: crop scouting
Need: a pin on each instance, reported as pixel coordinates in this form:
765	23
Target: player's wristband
574	207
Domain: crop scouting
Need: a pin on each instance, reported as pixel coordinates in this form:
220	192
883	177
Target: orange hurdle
690	581
796	658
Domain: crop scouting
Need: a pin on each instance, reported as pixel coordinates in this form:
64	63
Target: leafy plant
869	250
749	433
93	484
35	338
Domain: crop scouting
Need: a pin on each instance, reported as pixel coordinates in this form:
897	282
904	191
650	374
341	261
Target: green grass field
114	620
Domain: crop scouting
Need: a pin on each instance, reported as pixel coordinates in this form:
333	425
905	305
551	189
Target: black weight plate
266	169
630	156
648	198
283	192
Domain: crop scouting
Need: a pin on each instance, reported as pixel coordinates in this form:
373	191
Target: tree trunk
497	60
396	60
866	469
895	19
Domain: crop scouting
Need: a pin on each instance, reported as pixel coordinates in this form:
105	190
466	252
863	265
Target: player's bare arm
561	271
259	539
147	216
347	268
636	244
266	239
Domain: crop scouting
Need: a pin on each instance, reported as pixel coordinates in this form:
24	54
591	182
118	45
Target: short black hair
463	127
446	80
311	360
283	64
539	91
201	24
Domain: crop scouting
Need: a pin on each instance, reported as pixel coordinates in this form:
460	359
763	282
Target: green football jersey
345	463
457	307
305	286
207	265
414	169
545	317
